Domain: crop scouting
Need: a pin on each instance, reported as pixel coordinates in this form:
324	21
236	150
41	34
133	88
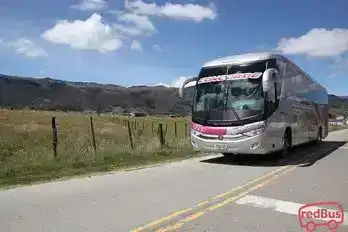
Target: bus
255	103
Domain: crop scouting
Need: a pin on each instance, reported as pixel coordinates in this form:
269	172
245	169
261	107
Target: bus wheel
286	144
319	136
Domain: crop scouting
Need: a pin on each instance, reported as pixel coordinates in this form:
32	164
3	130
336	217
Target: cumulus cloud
90	34
90	5
157	48
318	42
135	25
136	46
177	82
94	34
193	12
27	48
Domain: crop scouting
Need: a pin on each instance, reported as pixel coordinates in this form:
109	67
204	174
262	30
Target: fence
135	128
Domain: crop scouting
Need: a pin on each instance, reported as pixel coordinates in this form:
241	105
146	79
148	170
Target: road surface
212	193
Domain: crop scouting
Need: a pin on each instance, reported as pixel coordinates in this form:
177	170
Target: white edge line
279	205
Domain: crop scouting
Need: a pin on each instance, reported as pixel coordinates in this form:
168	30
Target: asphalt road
212	193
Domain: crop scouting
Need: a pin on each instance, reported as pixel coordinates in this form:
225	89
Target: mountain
52	94
338	105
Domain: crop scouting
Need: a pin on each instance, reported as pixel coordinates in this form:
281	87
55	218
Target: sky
147	42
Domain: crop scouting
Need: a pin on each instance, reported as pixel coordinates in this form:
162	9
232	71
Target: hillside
338	105
51	94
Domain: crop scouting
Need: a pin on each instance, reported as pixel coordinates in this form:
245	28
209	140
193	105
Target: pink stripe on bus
209	129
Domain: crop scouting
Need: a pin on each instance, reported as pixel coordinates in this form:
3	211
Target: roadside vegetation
27	154
337	127
83	146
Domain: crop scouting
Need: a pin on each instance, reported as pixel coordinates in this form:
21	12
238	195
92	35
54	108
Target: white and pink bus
256	103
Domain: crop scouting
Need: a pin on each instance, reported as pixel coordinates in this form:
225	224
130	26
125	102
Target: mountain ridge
53	94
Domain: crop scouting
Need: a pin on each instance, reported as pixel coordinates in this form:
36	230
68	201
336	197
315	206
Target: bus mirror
185	82
268	78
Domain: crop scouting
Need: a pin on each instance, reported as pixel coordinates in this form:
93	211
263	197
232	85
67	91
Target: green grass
26	153
337	127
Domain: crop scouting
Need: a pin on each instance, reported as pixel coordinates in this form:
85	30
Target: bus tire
319	138
286	148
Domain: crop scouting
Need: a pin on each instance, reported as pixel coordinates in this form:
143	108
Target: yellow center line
225	202
270	175
234	198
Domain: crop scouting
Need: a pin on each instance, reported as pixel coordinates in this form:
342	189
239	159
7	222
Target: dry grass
337	127
26	153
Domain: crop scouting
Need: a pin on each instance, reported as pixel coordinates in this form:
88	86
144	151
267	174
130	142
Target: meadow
83	145
30	151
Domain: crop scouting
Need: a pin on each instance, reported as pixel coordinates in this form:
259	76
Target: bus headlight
254	132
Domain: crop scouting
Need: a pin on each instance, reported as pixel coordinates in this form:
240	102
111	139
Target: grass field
26	150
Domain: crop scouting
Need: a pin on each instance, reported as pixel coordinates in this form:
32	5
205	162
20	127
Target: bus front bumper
258	144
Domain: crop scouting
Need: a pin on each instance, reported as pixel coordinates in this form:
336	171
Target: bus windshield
229	93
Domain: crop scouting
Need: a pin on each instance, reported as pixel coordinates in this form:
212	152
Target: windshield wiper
226	98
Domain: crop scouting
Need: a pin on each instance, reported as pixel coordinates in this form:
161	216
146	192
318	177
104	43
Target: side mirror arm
267	78
185	82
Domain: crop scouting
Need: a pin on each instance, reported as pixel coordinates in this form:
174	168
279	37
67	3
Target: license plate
220	146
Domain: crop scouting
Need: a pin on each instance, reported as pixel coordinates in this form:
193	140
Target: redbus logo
312	216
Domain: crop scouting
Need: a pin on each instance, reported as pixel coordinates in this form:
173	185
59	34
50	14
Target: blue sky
159	41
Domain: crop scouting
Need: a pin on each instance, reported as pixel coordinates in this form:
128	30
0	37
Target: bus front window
230	93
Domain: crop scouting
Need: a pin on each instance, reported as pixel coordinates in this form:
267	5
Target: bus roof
241	58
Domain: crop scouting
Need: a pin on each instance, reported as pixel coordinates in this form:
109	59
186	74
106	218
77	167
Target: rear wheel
286	149
319	138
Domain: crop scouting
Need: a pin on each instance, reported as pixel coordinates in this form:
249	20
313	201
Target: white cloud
177	82
44	71
193	12
136	46
162	84
157	48
318	42
90	5
91	34
339	67
27	48
135	24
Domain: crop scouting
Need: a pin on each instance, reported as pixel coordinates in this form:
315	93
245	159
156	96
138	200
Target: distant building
138	114
336	121
339	117
89	112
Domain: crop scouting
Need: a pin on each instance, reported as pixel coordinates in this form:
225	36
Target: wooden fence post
54	137
176	130
161	137
185	130
93	135
165	131
130	135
